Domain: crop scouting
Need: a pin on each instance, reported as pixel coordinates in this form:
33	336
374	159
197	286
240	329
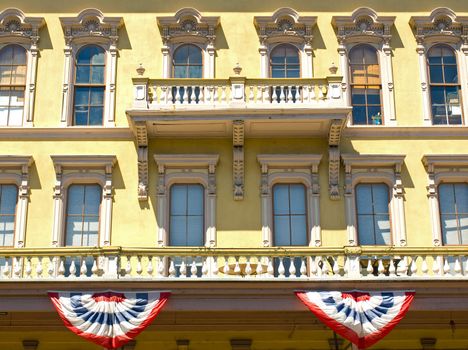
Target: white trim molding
442	168
365	26
90	26
375	168
291	168
189	26
15	170
186	168
79	169
442	26
16	28
285	26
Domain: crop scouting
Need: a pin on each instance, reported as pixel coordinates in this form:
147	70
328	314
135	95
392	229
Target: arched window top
90	54
13	55
442	64
284	62
363	54
90	62
187	62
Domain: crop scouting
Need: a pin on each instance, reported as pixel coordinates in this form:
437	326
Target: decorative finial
333	68
237	69
140	70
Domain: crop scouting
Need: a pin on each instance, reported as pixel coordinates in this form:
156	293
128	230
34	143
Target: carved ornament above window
15	25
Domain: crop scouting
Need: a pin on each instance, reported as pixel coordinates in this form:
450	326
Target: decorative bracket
238	159
141	133
334	136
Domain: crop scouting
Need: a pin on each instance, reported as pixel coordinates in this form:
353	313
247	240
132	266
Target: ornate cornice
285	25
188	25
16	27
363	23
91	23
442	25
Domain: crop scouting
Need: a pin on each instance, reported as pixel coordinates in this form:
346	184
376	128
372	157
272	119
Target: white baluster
259	270
248	268
61	269
185	97
177	95
402	267
183	269
223	94
208	95
172	269
163	98
290	96
336	268
266	95
215	94
305	94
281	269
73	267
83	268
128	267
312	96
381	267
313	266
205	268
259	94
51	266
457	269
274	97
28	268
6	268
320	96
298	94
215	266
436	266
94	268
16	267
303	268
226	266
251	94
370	268
201	96
325	267
139	268
193	269
237	269
391	269
446	267
270	268
161	268
149	268
282	95
424	266
292	269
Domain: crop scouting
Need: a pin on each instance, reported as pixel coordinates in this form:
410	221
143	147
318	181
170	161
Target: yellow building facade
234	153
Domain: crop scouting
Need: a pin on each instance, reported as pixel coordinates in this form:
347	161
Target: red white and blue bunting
363	318
109	319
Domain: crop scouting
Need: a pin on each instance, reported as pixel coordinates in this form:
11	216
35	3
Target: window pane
195	72
81	116
195	200
451	74
446	199
180	71
438	96
449	229
81	96
293	73
364	199
373	96
178	200
297	199
461	196
463	226
278	72
181	55
359	115
18	75
92	199
90	231
380	198
375	115
366	230
358	74
282	233
16	116
74	231
83	74
358	96
97	75
281	200
382	230
6	55
195	230
95	115
435	74
9	197
298	230
7	230
195	56
178	234
97	96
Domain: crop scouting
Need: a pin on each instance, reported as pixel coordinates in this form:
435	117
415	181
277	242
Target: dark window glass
453	207
284	62
8	200
187	62
372	203
365	86
444	87
12	85
89	86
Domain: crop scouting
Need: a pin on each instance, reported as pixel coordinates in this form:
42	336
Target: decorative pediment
91	23
15	26
441	25
284	25
188	24
363	22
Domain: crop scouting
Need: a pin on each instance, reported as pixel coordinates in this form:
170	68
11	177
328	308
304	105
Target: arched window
89	86
82	220
366	86
12	85
373	216
284	62
444	85
187	62
453	204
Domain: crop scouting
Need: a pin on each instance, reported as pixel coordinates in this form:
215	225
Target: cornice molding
186	161
311	161
372	160
105	162
431	161
15	26
86	133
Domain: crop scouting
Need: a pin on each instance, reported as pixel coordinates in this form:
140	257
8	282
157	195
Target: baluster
320	96
325	267
381	267
237	269
6	268
201	95
128	267
223	94
16	267
185	96
436	266
402	267
312	96
83	268
259	270
149	267
163	98
248	268
313	266
305	94
215	94
281	269
226	266
215	266
94	268
336	268
391	269
457	269
193	268
61	269
274	97
446	266
303	268
51	266
161	268
290	96
172	269
170	95
414	266
259	98
205	268
270	268
282	94
370	268
183	269
424	266
292	268
298	97
266	95
139	268
208	95
251	94
27	268
177	95
73	267
192	96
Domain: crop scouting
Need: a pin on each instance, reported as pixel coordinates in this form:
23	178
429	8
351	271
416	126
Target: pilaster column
387	85
211	234
426	97
67	91
109	108
162	204
343	60
107	199
266	208
264	69
58	208
23	198
166	62
350	208
433	196
399	218
314	211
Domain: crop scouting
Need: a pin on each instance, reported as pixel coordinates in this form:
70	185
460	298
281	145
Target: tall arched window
187	62
366	86
89	86
453	203
284	62
444	85
12	85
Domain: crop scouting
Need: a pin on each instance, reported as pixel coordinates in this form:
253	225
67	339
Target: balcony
221	264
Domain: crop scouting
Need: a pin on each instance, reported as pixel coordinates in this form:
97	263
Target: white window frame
186	169
442	26
90	27
82	169
17	29
375	168
365	26
286	26
189	26
442	168
14	170
290	169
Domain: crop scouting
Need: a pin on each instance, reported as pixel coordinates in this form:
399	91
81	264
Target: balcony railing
236	92
274	264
